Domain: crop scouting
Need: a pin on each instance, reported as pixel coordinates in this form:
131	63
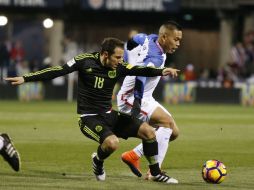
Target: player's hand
170	71
15	80
136	108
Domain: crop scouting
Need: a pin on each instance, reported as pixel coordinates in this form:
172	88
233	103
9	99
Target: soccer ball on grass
214	171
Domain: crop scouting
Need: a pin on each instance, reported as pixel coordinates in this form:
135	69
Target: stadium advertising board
132	5
32	3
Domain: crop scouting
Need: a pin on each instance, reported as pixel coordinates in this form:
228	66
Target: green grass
55	154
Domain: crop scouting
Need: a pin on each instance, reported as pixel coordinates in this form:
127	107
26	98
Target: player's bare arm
15	80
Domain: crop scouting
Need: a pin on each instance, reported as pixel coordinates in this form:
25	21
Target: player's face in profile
116	58
172	40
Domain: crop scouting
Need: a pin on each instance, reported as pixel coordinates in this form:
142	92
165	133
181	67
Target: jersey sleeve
128	69
135	41
139	38
52	72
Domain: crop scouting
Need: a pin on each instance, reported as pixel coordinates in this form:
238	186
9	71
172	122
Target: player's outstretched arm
15	80
170	71
128	69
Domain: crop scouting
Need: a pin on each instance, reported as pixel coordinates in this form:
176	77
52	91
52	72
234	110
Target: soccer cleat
9	153
98	169
163	178
132	160
149	175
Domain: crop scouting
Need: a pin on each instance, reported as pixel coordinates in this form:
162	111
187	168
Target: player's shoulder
87	56
140	38
154	46
155	54
153	37
85	60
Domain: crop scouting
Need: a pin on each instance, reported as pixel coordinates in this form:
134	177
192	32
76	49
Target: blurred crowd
240	66
13	62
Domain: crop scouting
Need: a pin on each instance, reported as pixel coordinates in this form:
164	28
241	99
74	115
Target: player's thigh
95	128
126	126
162	117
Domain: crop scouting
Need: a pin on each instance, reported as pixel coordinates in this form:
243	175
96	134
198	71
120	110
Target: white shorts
148	106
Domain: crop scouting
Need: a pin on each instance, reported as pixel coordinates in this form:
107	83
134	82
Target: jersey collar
159	46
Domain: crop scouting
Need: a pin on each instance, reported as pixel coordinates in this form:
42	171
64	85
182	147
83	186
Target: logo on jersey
98	128
112	74
89	70
71	62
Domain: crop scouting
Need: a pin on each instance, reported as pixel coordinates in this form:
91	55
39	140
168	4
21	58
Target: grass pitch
55	154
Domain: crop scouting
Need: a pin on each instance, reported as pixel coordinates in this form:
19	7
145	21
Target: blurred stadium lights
188	17
48	23
3	20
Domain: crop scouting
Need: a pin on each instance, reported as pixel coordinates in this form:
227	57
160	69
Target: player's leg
150	148
131	127
167	130
162	118
95	128
108	146
131	158
159	116
9	152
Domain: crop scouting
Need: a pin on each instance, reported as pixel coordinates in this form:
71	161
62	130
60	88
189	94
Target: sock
155	169
162	136
139	150
101	155
150	148
97	161
1	143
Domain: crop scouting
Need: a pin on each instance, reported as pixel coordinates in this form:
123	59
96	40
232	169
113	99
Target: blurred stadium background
216	56
212	100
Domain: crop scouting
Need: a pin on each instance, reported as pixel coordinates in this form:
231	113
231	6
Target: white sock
1	143
139	150
162	136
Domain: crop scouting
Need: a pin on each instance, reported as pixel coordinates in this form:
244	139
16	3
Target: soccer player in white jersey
135	96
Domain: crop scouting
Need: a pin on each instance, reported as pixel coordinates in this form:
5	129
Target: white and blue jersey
142	50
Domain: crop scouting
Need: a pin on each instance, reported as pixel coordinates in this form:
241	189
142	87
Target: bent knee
172	125
111	144
167	122
175	133
146	132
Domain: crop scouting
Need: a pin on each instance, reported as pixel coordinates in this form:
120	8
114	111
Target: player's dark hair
109	45
172	25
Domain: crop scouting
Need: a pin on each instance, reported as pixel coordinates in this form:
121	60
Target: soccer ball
214	171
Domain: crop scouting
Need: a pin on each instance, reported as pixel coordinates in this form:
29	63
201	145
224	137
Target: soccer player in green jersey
98	73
